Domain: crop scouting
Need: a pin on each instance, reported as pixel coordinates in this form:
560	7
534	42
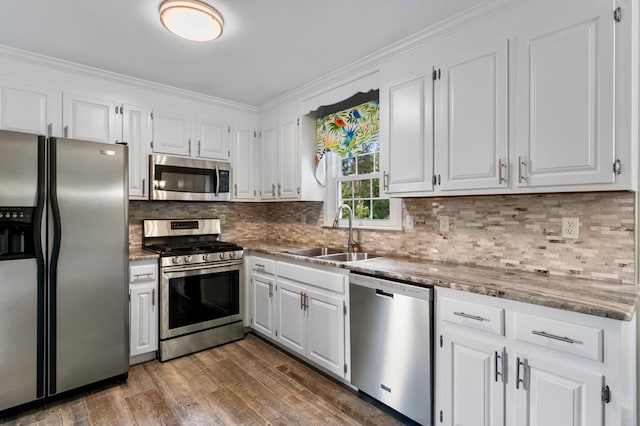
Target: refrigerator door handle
40	261
53	267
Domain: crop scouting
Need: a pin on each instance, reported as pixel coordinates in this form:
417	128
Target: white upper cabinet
212	139
172	133
268	164
29	109
471	112
243	155
90	118
288	186
136	132
565	95
406	109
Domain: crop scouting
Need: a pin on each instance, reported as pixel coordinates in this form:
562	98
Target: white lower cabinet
302	309
143	310
500	362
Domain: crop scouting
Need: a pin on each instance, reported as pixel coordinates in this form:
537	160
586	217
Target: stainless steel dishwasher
391	355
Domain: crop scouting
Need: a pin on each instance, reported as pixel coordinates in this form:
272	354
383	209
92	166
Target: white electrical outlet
444	223
570	227
409	222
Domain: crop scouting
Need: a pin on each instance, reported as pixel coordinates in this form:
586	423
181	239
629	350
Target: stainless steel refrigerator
63	265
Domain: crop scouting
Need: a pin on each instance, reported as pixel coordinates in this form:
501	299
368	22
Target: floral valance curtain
347	133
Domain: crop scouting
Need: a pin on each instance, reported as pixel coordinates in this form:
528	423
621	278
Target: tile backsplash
504	231
512	231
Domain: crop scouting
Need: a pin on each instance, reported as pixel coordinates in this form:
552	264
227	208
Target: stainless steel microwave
188	179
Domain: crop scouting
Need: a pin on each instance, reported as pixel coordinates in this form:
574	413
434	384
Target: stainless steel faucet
350	243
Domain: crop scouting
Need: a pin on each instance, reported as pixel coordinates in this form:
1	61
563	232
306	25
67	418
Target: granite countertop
601	298
138	253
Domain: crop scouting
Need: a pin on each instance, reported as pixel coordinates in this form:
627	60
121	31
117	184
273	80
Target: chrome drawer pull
553	336
473	317
138	276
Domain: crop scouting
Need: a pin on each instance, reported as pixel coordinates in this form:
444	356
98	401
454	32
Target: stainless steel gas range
201	290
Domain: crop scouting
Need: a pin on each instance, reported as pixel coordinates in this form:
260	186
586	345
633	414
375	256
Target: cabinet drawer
473	315
327	280
142	273
563	336
260	264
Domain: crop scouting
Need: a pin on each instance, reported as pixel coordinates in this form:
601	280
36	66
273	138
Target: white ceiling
268	48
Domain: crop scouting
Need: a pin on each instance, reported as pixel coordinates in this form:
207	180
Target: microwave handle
217	181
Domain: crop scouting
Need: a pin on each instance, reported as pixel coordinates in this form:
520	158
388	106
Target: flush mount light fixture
191	19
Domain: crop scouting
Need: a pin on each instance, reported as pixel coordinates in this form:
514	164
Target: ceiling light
191	19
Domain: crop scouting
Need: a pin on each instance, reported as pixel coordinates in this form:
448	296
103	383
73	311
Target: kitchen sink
315	252
348	257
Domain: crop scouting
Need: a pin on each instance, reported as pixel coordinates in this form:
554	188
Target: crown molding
371	62
85	70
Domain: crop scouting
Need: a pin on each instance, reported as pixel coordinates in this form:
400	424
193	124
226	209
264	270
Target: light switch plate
409	222
444	223
570	227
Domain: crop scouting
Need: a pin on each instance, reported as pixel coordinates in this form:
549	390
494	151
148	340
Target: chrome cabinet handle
520	165
235	189
385	181
306	302
473	317
138	276
270	290
279	190
273	189
554	336
302	301
153	297
498	373
518	378
501	166
49	129
198	148
189	142
144	186
66	131
259	266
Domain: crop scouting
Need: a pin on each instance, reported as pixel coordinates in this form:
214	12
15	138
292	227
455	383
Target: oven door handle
201	269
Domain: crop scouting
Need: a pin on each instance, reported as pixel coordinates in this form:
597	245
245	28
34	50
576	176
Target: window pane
346	190
362	189
377	162
344	213
375	188
348	166
365	164
363	209
381	209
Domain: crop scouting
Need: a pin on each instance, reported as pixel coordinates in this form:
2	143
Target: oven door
194	298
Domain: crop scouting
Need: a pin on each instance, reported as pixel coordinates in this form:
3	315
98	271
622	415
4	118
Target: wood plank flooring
247	382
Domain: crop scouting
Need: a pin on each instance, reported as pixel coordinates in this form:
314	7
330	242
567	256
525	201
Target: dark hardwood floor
245	382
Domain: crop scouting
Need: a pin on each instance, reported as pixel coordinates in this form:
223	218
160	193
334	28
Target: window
347	141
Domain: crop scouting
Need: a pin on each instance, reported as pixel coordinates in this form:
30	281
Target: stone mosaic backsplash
239	221
521	232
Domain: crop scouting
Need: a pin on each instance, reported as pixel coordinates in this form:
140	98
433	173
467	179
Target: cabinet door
566	95
243	143
30	109
91	119
172	133
551	393
409	121
268	164
325	332
291	331
213	139
136	132
262	289
472	392
144	318
471	125
288	183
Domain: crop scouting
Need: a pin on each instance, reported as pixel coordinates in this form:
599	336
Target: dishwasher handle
383	293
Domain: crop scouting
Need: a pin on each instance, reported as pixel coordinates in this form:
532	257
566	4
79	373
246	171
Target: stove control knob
223	255
175	259
205	257
187	259
232	255
14	215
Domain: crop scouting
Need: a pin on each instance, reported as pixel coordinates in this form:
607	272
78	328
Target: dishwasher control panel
389	286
